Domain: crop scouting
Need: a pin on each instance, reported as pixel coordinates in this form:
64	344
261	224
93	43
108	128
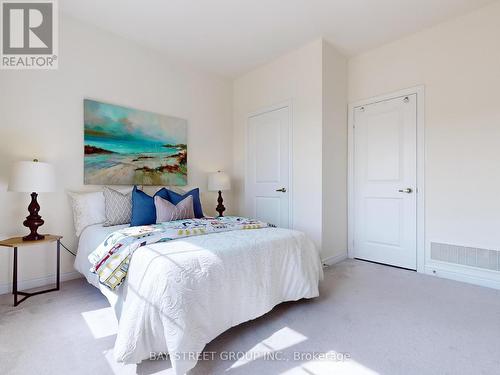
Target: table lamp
219	181
32	177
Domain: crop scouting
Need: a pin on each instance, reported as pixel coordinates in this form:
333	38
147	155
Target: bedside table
16	242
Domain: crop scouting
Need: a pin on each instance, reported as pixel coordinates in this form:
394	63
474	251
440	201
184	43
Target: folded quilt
111	259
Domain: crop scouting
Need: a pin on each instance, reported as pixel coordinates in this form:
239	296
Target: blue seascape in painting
126	146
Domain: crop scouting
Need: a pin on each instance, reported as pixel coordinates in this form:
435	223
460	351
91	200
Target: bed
181	294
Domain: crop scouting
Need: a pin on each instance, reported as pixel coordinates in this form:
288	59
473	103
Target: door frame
271	108
420	188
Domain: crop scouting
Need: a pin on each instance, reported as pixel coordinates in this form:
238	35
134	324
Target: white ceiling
230	37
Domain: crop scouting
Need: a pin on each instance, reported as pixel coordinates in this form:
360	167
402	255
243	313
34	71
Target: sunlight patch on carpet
278	341
101	322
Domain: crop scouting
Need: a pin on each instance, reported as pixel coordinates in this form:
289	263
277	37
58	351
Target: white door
385	167
268	163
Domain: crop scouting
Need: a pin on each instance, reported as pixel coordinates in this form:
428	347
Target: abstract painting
125	146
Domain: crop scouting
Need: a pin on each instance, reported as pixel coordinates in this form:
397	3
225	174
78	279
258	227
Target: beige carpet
384	321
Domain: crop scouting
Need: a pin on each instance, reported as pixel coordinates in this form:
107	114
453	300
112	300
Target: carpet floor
369	319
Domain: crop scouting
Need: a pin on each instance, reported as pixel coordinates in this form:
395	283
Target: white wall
459	64
334	236
41	114
314	78
297	77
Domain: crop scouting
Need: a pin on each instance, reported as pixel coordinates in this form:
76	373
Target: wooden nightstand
16	242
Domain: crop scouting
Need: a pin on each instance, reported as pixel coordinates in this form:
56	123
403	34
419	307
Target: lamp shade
32	176
219	181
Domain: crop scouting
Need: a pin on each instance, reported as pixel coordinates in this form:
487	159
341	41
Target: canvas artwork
125	146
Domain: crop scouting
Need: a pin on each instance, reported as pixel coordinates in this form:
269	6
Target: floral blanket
111	259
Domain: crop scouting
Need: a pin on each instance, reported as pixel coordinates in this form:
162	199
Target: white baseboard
330	261
38	282
459	274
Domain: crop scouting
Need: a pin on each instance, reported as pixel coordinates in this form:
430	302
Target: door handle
282	190
407	190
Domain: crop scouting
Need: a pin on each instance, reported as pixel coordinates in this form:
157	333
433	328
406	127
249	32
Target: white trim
285	104
456	273
420	240
330	261
38	282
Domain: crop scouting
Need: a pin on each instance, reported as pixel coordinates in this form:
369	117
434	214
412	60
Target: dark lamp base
33	221
220	207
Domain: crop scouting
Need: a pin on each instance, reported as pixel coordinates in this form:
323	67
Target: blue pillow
143	207
175	198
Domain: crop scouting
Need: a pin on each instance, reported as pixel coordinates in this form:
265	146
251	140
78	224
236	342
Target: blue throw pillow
143	207
175	198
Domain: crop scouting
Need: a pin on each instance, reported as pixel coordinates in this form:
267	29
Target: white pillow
88	209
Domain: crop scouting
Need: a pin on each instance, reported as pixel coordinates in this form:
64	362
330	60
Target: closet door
385	171
268	165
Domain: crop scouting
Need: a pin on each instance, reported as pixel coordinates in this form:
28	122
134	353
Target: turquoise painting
125	146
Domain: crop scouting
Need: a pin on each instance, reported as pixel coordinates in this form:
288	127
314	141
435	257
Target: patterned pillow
118	207
166	211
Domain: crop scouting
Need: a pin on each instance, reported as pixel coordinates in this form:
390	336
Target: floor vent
466	256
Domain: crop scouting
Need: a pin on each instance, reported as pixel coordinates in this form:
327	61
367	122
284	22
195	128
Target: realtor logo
29	34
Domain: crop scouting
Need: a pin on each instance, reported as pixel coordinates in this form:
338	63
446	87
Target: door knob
407	190
282	190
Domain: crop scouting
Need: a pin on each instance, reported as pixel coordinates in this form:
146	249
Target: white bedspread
180	295
90	238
